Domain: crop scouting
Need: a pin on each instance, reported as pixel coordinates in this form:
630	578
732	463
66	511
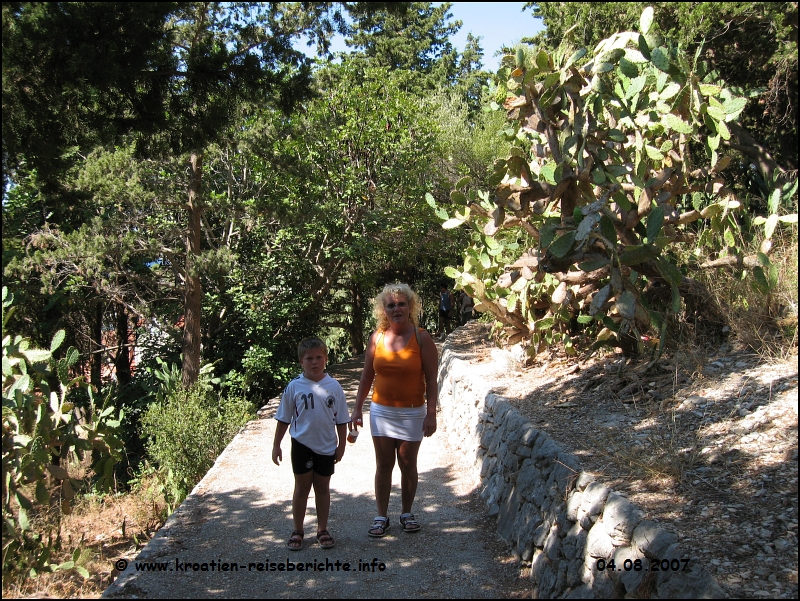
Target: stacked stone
568	526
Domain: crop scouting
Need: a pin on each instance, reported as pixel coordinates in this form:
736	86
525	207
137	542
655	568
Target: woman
402	361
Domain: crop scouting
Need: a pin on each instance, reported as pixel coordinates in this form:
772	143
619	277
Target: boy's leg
322	498
302	487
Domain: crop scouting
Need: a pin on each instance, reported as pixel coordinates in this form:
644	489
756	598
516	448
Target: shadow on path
228	538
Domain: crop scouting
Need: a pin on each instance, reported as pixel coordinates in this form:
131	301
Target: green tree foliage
414	40
304	214
77	72
194	180
599	190
227	53
285	223
471	79
196	63
348	174
44	433
469	141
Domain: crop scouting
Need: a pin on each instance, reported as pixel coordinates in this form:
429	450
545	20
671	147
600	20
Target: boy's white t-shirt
314	409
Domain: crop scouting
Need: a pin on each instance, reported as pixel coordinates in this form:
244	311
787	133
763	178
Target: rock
695	584
695	401
584	480
582	592
620	518
574	542
603	587
543	575
508	515
598	543
547	450
594	497
573	504
528	477
782	545
552	544
711	407
651	540
632	579
530	436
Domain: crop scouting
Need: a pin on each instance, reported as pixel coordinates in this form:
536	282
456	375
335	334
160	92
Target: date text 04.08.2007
644	565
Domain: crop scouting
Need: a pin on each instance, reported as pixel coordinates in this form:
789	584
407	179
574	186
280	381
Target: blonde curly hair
414	304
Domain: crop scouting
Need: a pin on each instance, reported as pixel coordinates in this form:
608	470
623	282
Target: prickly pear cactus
616	152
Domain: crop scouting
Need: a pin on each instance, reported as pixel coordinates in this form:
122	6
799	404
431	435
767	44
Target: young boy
314	405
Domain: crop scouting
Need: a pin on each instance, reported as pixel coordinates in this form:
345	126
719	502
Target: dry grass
765	324
662	458
98	531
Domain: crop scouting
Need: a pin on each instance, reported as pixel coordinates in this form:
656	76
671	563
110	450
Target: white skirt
402	423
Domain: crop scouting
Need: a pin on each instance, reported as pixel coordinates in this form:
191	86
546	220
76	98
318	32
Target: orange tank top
399	377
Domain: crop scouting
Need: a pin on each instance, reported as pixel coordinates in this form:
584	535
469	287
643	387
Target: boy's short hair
308	344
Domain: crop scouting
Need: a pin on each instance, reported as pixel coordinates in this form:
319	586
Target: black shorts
304	460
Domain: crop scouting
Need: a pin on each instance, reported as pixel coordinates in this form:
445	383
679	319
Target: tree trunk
357	327
122	361
193	292
96	345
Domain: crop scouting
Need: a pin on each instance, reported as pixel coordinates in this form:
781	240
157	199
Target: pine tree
416	40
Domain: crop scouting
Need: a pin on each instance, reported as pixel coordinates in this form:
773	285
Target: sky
497	23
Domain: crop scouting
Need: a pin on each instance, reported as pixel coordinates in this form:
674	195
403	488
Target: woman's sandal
325	539
409	522
295	542
380	527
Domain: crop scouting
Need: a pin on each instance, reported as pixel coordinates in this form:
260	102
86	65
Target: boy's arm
284	417
280	431
341	430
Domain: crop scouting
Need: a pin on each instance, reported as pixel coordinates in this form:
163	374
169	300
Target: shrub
188	430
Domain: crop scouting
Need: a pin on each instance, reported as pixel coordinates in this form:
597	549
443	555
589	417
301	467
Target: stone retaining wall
550	512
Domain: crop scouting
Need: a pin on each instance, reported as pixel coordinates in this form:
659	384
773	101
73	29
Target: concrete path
228	538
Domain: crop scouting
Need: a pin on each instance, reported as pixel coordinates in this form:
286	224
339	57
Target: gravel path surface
239	517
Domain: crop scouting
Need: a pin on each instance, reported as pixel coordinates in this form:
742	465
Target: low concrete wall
550	512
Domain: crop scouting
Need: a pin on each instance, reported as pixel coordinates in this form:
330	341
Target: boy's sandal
295	542
325	539
409	522
380	527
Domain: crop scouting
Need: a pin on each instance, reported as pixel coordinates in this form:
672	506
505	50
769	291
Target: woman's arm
341	431
367	376
430	367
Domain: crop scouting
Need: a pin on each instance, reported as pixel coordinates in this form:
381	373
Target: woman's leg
384	465
407	452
